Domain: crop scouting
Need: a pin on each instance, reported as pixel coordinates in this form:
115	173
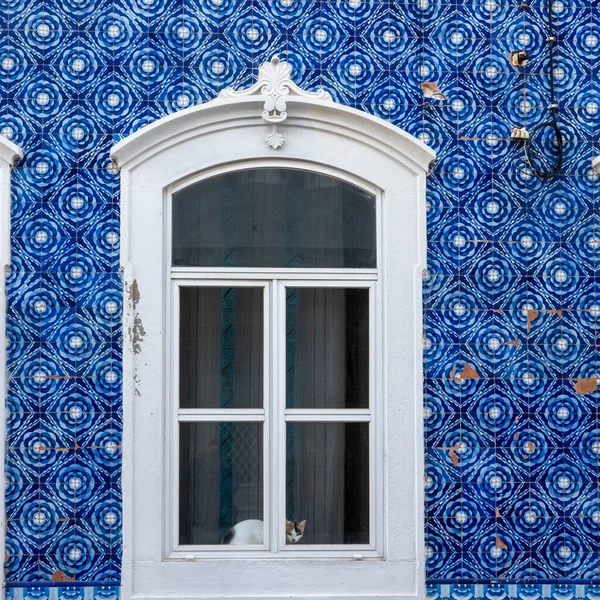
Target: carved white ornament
275	84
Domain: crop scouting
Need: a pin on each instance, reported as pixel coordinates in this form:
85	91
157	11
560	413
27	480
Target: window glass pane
273	218
328	481
327	348
221	347
220	479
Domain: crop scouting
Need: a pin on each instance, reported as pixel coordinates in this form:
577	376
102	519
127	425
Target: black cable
530	153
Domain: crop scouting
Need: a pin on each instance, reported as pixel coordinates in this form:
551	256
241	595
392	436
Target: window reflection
328	481
220	479
327	348
274	218
221	347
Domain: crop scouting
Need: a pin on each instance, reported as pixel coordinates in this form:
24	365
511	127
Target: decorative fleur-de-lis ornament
275	84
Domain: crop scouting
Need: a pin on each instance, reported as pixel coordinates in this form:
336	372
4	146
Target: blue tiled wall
512	301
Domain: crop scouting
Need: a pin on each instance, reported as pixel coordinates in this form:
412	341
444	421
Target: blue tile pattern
511	296
65	592
523	591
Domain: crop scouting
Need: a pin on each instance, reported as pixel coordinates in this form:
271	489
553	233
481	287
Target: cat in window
250	533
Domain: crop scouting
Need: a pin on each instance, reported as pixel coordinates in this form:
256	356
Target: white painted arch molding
273	102
10	153
271	124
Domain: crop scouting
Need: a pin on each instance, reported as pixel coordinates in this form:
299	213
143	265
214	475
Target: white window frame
275	416
10	153
274	281
319	135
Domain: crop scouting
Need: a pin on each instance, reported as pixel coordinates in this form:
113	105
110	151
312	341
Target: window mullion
276	413
192	273
225	414
345	415
268	415
173	489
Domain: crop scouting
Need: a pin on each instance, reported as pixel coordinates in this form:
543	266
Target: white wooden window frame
245	130
274	415
10	153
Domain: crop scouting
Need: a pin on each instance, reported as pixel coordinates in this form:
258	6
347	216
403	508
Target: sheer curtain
328	368
316	463
199	385
221	366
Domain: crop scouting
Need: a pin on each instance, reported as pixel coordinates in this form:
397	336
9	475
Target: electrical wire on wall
531	156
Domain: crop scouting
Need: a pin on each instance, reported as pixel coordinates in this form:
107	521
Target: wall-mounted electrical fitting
550	167
518	58
519	133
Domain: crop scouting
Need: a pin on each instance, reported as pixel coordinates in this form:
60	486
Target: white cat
250	533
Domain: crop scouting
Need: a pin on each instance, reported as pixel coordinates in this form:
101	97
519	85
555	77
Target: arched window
272	246
261	440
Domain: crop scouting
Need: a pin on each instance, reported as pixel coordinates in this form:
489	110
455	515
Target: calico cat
250	533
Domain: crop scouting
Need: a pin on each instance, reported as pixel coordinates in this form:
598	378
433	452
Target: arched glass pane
274	218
